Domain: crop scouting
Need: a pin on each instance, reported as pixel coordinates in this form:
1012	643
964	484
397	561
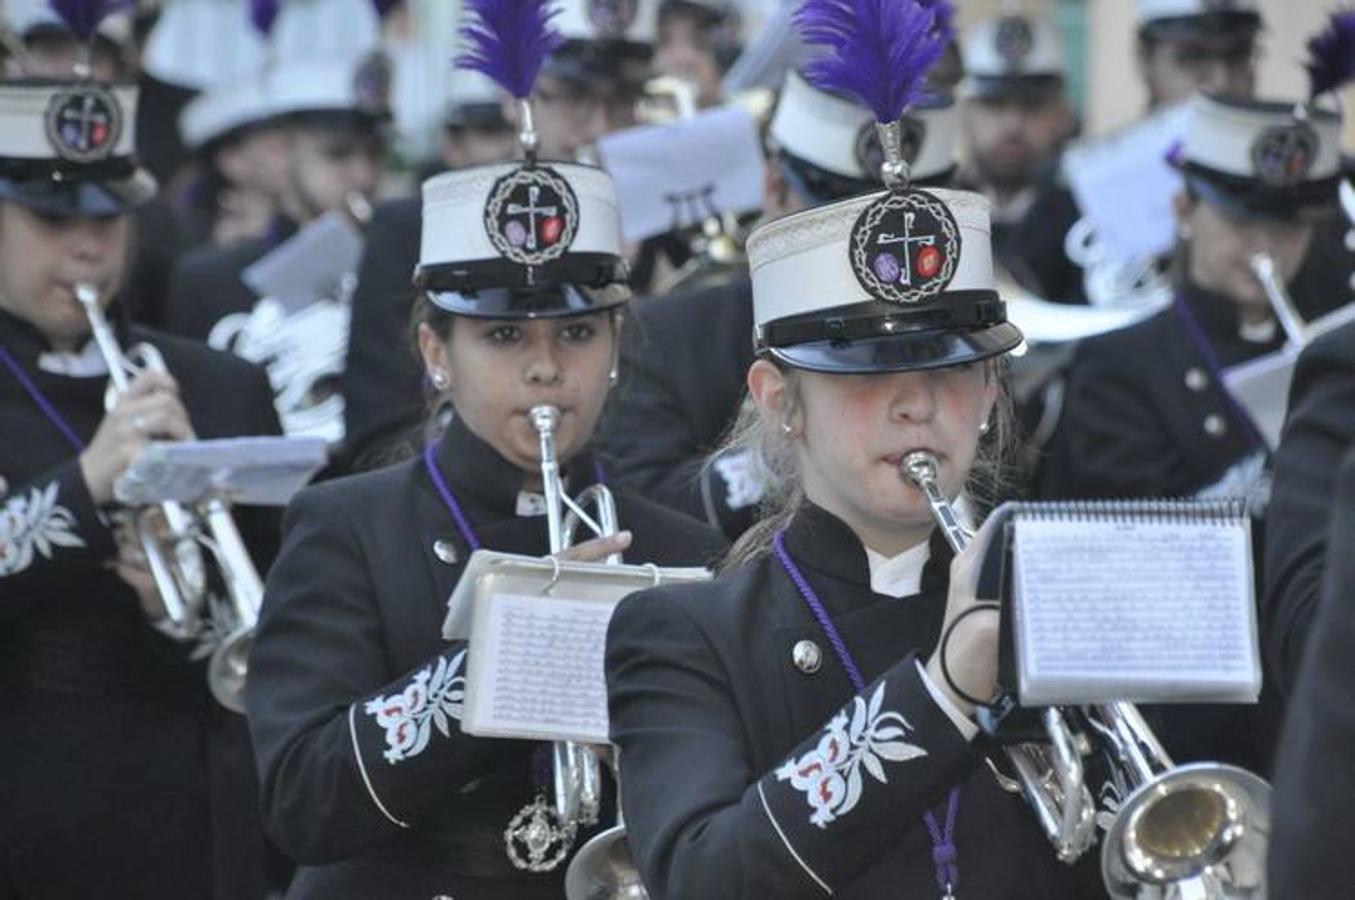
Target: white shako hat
1260	159
834	146
31	18
1013	54
520	240
1198	18
66	147
892	281
352	85
201	43
609	40
223	110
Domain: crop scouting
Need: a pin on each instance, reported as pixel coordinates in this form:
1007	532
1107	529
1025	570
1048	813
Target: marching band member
1185	46
122	776
331	114
682	371
354	698
698	40
799	727
588	87
1016	120
1256	179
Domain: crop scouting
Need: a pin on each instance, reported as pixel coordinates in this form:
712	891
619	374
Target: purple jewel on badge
887	268
515	233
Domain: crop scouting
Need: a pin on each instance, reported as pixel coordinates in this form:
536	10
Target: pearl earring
439	379
786	428
983	428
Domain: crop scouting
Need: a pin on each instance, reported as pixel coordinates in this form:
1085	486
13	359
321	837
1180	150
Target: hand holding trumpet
150	409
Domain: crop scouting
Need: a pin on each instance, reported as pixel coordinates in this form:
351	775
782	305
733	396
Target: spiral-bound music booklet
1149	601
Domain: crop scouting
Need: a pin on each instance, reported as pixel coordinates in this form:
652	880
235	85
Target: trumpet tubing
173	538
1184	831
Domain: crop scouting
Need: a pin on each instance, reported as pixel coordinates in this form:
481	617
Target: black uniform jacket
129	780
206	286
382	379
1031	246
1315	771
1321	425
1144	415
354	696
744	776
683	368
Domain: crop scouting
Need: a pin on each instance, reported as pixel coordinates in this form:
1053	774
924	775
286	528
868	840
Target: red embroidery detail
928	262
551	228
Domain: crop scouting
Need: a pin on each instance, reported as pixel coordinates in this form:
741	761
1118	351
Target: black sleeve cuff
846	793
49	519
407	736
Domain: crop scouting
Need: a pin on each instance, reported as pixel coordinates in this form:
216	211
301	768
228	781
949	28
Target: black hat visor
1247	198
72	197
549	302
879	337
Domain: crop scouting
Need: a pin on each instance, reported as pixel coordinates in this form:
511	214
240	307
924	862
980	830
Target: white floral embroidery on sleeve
434	694
830	774
34	523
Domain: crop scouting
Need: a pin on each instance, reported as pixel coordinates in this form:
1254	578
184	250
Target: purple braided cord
41	400
821	614
462	525
945	856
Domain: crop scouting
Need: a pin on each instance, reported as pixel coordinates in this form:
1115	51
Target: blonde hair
771	450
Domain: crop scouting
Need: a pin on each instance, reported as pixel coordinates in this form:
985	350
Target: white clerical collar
901	575
1262	332
88	363
530	504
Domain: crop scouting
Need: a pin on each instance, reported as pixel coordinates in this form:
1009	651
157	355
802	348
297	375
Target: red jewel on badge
928	262
551	226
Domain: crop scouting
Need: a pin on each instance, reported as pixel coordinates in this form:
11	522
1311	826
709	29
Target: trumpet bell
1199	830
228	668
604	869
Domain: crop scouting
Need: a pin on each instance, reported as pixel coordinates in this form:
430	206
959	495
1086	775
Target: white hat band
840	136
76	121
803	263
455	226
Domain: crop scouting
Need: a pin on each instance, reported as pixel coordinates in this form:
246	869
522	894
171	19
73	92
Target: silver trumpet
603	869
1192	831
1281	304
578	783
173	537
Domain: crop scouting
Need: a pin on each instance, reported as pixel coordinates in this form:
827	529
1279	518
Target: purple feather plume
1331	54
509	40
263	13
82	17
878	51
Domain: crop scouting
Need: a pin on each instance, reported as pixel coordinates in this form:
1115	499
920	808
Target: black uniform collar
22	338
1218	314
819	541
476	472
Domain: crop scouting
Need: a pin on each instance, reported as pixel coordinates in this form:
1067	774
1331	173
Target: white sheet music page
536	668
1149	609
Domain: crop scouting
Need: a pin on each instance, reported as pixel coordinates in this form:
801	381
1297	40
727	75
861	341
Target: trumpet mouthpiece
86	295
544	417
919	467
